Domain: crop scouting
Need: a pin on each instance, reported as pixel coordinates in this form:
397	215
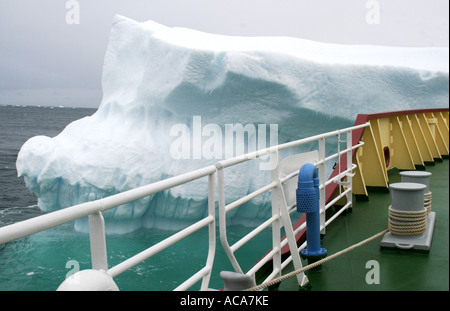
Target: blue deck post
308	202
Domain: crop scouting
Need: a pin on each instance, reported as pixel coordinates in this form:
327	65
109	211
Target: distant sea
41	261
17	125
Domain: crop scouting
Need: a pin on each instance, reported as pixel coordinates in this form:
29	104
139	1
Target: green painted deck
398	270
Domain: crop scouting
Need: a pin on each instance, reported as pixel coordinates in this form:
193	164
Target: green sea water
41	262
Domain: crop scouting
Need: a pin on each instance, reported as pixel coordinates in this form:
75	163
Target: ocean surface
41	261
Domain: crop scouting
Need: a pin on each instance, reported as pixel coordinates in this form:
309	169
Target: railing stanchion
99	257
322	178
222	219
349	166
276	226
211	230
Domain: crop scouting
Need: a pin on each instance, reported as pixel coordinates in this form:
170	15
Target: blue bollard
308	202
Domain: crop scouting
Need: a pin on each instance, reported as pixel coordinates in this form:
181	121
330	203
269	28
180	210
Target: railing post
211	230
276	226
223	220
349	167
97	239
322	180
280	207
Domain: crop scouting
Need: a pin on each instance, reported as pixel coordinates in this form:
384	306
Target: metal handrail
94	210
56	218
276	182
262	152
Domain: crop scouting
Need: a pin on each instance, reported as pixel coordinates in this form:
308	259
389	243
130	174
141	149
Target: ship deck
399	270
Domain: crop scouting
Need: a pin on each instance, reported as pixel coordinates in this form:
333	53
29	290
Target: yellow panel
445	116
371	165
411	140
436	131
384	132
399	142
420	139
400	155
380	130
429	136
358	184
443	130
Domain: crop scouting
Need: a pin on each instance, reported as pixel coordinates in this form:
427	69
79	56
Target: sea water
40	262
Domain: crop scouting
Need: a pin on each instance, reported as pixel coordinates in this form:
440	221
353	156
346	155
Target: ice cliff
158	81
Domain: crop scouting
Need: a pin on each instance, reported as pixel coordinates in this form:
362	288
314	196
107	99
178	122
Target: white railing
94	210
281	209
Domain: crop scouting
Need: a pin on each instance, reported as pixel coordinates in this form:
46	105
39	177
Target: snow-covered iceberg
160	82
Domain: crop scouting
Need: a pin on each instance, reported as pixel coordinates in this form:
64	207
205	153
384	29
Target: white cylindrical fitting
89	280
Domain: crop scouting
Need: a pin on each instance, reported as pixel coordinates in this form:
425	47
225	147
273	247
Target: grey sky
45	61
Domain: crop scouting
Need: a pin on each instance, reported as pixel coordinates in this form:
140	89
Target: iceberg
170	94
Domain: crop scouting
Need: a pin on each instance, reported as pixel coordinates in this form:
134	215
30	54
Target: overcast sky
46	61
